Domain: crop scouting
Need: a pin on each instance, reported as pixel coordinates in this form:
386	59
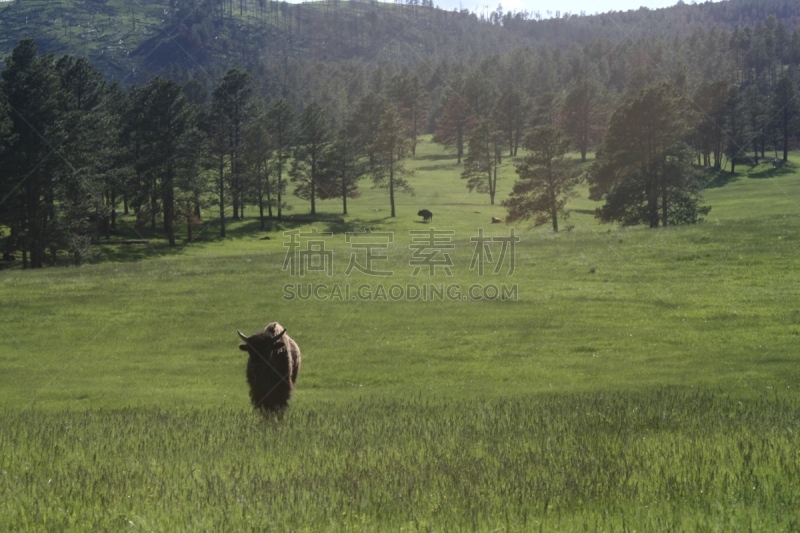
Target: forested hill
130	41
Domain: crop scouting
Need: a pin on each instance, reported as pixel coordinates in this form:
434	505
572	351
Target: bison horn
242	335
281	334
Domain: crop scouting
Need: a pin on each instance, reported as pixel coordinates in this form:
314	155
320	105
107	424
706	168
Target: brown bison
272	367
426	215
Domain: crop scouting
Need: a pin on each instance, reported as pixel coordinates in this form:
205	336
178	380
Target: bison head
262	343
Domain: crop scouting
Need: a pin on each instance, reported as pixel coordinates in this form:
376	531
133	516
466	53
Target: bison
426	215
496	220
272	367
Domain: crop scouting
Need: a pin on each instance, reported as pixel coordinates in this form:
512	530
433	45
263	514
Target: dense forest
155	109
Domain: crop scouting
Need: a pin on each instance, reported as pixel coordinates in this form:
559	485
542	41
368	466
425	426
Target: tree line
75	149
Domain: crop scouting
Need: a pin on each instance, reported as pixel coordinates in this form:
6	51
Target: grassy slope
711	305
580	357
107	32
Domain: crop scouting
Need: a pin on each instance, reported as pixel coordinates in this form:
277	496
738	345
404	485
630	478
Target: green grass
662	460
635	369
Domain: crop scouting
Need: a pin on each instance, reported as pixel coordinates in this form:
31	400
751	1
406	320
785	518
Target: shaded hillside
130	41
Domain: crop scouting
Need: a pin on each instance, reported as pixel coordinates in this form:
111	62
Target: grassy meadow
633	379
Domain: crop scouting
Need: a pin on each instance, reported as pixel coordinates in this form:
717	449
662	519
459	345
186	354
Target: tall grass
661	460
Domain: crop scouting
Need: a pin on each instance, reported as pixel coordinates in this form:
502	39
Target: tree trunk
188	210
34	230
313	194
222	196
459	144
280	182
664	202
785	136
113	212
391	185
344	196
234	191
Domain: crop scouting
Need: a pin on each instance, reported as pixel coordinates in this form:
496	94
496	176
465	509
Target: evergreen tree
582	115
512	116
643	168
390	147
545	109
547	181
85	187
710	102
480	165
365	122
30	88
280	121
343	165
736	131
755	117
408	94
232	105
167	119
312	139
785	112
261	182
455	124
480	92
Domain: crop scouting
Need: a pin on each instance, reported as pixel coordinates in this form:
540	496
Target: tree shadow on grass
132	244
435	157
441	166
773	171
720	179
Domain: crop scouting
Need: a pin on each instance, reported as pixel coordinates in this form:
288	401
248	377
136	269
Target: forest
236	104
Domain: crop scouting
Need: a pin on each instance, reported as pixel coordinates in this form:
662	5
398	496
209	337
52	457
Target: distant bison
426	215
496	220
272	367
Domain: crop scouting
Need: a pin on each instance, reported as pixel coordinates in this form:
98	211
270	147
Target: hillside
129	41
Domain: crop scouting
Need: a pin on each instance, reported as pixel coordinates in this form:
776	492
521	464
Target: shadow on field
720	179
131	244
770	171
441	166
436	157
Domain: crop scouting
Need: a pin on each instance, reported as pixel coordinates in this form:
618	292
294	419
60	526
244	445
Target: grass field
634	379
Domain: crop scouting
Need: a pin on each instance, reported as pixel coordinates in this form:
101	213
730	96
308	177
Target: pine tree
480	165
512	116
736	131
365	122
582	115
86	187
390	147
232	104
547	180
643	168
167	119
343	165
785	112
710	100
408	94
280	120
29	86
455	124
312	139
